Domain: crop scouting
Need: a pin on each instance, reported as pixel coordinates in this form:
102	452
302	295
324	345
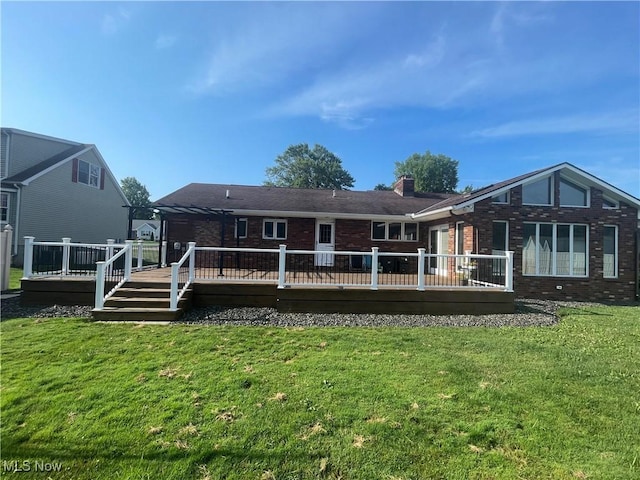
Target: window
397	231
500	239
538	193
460	238
502	198
610	252
241	228
610	203
4	207
274	229
88	173
554	250
572	195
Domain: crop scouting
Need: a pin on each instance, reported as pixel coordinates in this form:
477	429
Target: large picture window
555	250
572	195
274	229
538	193
610	252
394	231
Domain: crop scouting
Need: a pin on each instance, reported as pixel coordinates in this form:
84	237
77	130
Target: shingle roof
298	200
49	162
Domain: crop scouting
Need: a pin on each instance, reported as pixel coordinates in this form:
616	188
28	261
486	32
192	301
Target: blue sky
173	93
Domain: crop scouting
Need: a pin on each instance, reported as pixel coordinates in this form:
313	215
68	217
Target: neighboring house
146	229
54	188
574	235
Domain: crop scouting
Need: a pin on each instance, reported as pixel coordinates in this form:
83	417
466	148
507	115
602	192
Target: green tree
382	186
431	173
138	196
302	167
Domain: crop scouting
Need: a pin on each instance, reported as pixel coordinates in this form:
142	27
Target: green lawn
15	274
127	402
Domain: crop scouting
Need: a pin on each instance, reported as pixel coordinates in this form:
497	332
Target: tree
382	186
138	196
301	167
432	173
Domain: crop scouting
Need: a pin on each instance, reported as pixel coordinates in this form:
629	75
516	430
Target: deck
316	291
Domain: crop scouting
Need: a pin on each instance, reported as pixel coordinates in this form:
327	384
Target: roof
136	224
463	201
31	172
201	198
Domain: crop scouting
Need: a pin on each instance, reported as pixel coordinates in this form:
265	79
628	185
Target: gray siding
26	151
3	154
54	207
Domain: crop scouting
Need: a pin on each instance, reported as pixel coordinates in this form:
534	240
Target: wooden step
111	314
130	292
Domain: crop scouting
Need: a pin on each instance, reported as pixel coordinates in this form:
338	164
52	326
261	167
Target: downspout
17	225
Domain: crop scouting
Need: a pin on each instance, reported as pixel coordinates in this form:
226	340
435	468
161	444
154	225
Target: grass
129	402
15	274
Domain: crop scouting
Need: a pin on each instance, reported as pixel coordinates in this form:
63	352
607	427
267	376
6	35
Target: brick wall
595	287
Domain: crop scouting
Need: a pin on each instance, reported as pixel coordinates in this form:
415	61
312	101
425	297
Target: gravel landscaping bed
528	313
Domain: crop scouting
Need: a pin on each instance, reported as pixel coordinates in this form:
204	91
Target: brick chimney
404	186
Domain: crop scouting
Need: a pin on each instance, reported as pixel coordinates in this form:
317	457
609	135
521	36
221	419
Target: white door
438	244
325	242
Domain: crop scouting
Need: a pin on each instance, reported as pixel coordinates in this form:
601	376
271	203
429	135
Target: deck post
140	256
174	287
65	255
99	299
508	278
374	268
282	265
421	259
163	256
28	257
192	261
128	259
109	254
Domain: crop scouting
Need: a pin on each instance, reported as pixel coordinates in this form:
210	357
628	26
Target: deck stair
142	301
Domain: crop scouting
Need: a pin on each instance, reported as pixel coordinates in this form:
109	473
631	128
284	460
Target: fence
417	270
42	259
112	273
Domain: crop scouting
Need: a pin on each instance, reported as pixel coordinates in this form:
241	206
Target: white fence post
192	261
508	274
5	257
282	265
128	259
174	287
100	271
108	254
421	259
28	257
140	255
65	255
374	268
164	253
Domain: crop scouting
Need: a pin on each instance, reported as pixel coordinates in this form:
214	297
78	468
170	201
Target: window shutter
102	179
74	171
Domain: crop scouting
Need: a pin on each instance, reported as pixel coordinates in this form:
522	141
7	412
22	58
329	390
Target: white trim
299	214
8	207
6	152
554	250
88	183
507	202
11	130
506	243
616	203
616	252
27	181
403	234
246	227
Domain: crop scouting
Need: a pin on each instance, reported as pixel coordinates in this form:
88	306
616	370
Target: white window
502	198
573	195
394	231
538	193
500	237
274	229
610	251
4	207
88	173
459	238
551	249
241	228
609	203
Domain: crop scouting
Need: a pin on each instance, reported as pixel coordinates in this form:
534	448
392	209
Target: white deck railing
66	259
108	274
182	277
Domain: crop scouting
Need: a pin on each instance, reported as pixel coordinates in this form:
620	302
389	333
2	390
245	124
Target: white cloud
114	21
165	41
626	121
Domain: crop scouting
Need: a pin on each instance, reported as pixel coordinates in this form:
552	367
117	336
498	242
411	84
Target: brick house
573	235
